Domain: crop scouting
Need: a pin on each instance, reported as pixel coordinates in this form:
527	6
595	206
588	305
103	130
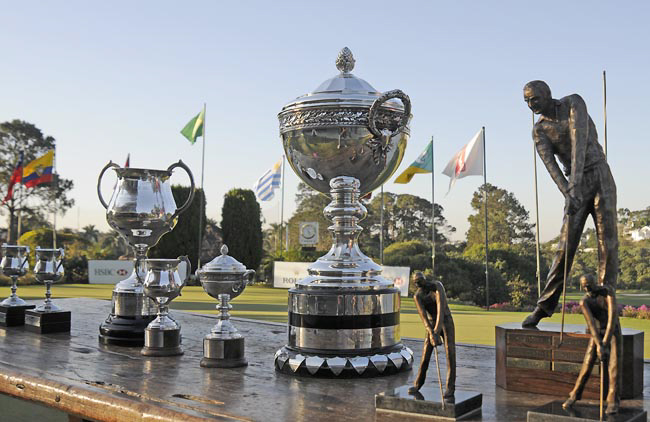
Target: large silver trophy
14	264
48	317
162	284
224	278
142	209
345	139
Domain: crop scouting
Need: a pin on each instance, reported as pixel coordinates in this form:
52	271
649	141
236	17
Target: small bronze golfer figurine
566	132
431	301
599	308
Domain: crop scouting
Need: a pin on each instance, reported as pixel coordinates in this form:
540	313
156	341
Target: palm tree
90	233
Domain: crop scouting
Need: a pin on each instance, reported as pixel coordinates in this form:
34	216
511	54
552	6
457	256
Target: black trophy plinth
13	316
427	403
583	412
223	353
124	331
162	343
47	322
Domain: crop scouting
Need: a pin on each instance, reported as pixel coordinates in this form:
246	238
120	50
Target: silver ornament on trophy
344	139
224	278
142	209
48	317
162	284
14	265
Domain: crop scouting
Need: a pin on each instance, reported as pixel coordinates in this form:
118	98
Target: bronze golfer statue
599	308
566	132
431	302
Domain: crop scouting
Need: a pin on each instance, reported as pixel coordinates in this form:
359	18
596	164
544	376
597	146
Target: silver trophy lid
224	264
344	89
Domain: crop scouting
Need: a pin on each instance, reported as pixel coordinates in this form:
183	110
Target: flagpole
202	198
539	275
54	183
487	284
381	227
433	218
282	208
20	210
605	110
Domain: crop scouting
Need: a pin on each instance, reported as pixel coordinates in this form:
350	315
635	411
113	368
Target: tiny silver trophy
14	264
162	284
47	317
224	278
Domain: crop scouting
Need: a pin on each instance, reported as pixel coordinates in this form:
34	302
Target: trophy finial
224	249
345	61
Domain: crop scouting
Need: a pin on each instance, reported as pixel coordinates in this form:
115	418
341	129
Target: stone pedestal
582	412
47	322
13	316
534	361
427	403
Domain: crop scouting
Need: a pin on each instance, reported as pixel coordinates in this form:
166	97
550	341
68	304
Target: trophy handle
24	262
58	267
374	109
187	203
248	276
187	262
99	182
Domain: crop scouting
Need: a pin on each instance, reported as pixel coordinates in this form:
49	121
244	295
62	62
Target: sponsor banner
308	235
285	275
108	272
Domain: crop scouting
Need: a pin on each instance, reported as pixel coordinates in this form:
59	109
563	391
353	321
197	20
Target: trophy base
328	365
13	316
47	322
162	343
125	331
223	353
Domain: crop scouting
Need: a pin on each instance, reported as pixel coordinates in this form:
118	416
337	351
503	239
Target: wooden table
73	373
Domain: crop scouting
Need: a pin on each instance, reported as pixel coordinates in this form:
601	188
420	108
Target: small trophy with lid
224	278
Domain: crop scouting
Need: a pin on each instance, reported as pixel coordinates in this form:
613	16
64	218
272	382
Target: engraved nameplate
573	368
526	352
569	356
527	339
3	317
33	320
528	363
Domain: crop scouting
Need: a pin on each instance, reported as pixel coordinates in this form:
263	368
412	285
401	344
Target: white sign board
308	234
108	272
400	277
285	275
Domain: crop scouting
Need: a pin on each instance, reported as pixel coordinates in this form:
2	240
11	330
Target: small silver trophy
14	264
224	278
47	317
162	284
142	209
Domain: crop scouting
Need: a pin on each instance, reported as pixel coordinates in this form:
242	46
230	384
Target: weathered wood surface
74	373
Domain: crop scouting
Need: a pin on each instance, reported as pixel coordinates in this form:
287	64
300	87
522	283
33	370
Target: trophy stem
14	282
48	293
224	327
140	266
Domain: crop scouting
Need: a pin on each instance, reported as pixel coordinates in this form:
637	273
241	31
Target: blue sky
111	78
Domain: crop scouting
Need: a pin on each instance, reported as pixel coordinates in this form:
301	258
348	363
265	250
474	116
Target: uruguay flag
266	185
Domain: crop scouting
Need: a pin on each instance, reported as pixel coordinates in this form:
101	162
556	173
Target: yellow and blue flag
39	171
423	164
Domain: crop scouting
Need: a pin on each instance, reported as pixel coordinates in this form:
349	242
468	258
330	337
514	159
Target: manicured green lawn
473	324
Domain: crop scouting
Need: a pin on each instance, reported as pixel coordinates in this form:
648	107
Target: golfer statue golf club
599	309
566	133
431	302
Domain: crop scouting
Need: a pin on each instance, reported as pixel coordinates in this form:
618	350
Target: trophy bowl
345	128
344	139
13	264
162	284
141	209
224	278
47	317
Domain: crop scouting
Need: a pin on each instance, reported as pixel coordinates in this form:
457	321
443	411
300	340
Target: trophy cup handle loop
24	262
374	109
188	271
249	275
58	267
99	182
187	203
